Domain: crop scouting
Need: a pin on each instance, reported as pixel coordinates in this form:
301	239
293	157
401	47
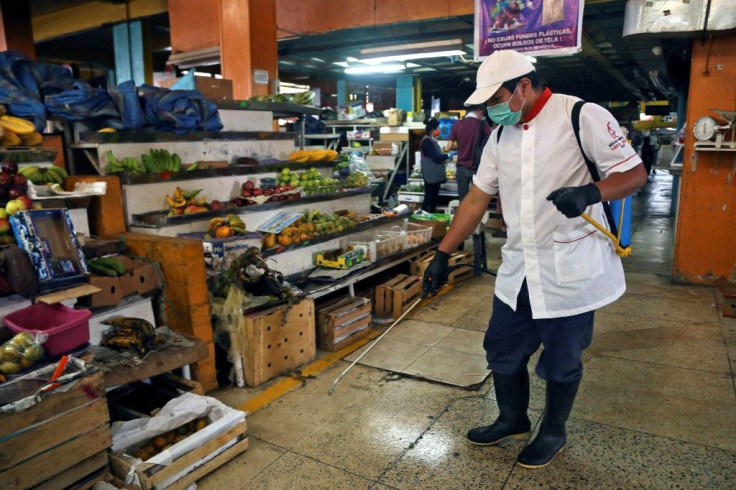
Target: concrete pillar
248	47
132	59
342	94
405	92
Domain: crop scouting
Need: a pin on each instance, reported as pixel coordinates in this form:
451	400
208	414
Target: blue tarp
31	89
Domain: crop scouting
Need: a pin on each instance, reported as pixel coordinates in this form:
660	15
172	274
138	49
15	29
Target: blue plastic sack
626	228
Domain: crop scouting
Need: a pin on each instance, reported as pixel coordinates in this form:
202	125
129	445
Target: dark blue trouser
513	336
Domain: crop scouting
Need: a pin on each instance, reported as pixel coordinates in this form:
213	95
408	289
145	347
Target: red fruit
14	193
286	188
26	200
19	180
247	192
257	192
248	184
268	192
10	167
5	178
239	202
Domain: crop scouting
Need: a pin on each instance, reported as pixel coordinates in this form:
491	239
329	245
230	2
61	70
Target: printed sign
535	27
260	77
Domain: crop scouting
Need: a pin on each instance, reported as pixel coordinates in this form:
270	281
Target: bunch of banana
183	198
304	98
128	165
159	161
128	333
107	266
44	175
236	223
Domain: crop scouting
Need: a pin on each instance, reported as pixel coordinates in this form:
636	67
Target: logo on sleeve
619	141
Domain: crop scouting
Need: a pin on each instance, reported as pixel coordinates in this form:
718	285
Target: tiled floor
656	408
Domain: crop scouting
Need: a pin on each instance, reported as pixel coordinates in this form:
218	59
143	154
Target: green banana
102	270
193	166
111	263
176	162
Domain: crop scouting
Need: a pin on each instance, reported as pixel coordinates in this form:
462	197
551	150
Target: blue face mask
502	114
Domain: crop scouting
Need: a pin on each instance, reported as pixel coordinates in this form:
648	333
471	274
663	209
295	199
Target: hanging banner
536	27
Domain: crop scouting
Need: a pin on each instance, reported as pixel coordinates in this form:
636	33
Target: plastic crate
417	235
66	327
380	245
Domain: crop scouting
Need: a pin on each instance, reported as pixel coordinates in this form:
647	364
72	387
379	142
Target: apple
248	184
268	192
216	205
10	167
14	206
26	200
19	180
257	192
239	202
247	192
14	193
4	225
5	178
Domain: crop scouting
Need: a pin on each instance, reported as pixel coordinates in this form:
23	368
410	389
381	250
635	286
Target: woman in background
433	165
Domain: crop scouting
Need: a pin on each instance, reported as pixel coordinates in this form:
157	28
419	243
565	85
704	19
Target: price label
260	77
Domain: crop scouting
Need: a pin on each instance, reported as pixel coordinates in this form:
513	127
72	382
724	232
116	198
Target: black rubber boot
552	438
512	395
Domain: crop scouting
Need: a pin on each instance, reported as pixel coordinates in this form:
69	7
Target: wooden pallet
58	441
394	297
275	347
342	322
420	266
152	475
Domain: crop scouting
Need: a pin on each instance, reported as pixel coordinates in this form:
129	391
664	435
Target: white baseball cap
499	67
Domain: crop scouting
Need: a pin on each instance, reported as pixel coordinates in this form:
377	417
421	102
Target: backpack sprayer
425	294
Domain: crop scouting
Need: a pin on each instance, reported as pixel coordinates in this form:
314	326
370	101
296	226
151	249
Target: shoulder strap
479	136
575	117
498	134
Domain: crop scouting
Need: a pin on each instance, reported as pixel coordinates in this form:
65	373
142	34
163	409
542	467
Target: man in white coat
557	269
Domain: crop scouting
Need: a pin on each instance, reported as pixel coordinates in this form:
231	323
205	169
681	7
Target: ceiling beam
590	49
90	16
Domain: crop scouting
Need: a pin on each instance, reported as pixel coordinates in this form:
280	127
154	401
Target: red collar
541	101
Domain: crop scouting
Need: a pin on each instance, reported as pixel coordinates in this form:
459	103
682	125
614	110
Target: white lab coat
570	267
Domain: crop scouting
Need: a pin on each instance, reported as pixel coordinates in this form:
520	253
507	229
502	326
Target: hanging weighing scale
710	134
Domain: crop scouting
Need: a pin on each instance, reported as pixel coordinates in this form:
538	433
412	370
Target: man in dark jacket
466	133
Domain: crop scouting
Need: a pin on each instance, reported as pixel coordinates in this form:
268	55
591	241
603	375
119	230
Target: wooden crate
394	297
152	475
420	266
58	441
275	347
342	322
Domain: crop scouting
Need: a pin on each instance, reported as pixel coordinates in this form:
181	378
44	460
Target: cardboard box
49	238
61	438
351	112
439	228
220	252
339	259
141	277
215	89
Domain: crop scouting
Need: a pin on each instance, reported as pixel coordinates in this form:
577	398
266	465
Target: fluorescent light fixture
413	51
413	56
318	60
361	70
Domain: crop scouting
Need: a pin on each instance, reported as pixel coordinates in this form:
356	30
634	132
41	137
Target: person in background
557	269
433	165
649	150
466	133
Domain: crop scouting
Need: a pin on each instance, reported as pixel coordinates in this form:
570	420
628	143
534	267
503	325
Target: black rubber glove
436	274
572	201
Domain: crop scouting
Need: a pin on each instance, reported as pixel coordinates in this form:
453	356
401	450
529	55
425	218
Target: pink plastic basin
66	327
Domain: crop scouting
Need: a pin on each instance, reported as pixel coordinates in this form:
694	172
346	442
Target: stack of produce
156	161
303	98
20	352
312	224
225	227
165	441
13	186
357	179
267	193
44	175
107	266
311	181
309	156
129	334
186	202
18	132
